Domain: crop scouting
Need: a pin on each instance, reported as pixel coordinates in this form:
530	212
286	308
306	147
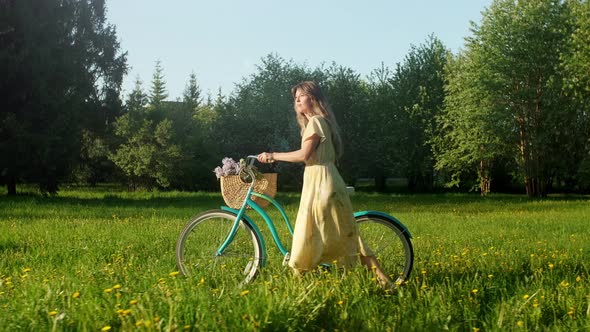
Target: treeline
508	111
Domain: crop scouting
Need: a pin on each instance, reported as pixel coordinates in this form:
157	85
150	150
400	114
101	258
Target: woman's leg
371	263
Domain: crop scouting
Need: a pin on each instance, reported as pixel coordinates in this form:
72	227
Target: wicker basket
234	190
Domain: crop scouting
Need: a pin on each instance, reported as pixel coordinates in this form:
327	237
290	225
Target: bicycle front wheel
198	249
390	243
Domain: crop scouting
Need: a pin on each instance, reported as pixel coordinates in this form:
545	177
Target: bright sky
222	41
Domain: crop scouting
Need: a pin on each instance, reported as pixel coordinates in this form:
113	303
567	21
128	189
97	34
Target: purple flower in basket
228	167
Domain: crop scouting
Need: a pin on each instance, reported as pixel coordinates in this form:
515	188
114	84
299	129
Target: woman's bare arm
297	156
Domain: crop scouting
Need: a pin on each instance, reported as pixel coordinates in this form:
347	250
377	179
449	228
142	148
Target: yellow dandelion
132	302
423	271
245	292
423	287
564	284
126	312
335	262
174	274
550	265
520	323
526	296
474	291
27	270
572	311
578	279
202	281
536	304
340	302
52	313
106	328
156	319
139	323
490	276
108	290
76	294
117	286
476	329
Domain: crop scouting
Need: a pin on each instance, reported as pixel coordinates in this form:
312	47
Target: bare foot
371	263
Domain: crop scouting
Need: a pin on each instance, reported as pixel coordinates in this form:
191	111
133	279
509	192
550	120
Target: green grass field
103	259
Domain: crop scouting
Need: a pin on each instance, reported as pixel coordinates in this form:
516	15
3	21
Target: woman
325	229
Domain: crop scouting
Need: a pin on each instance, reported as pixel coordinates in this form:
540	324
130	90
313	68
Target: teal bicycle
227	243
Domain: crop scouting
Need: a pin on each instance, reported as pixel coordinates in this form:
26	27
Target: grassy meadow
103	259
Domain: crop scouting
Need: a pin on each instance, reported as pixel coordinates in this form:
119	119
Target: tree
347	96
158	89
148	153
192	93
470	133
418	86
576	67
59	62
521	42
384	153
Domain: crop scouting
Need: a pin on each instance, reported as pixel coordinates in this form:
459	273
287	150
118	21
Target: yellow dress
325	229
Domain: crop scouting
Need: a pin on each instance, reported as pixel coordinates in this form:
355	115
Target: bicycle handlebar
251	159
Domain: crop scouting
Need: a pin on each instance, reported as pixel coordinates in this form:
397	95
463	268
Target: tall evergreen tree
59	62
158	92
192	93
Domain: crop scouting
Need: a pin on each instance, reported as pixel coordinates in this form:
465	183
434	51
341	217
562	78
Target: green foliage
418	87
59	62
471	131
148	153
525	83
512	107
382	152
499	263
506	97
347	96
158	89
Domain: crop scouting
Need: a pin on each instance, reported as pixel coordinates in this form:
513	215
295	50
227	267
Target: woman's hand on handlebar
265	157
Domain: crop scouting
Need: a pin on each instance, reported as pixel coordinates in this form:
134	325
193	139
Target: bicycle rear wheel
197	249
390	243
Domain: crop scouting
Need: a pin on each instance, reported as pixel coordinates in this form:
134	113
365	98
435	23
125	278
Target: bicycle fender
386	216
251	223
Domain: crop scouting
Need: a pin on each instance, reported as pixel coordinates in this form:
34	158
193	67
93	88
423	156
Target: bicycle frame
241	214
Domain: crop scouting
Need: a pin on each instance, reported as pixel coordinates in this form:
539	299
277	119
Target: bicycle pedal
286	259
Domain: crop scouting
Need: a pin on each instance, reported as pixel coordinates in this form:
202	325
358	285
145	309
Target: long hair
321	108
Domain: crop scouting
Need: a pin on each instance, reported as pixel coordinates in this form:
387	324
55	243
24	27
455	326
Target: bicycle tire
390	243
203	235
